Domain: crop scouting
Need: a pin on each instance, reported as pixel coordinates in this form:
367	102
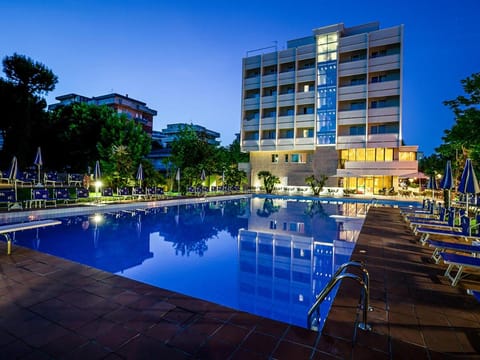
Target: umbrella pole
38	166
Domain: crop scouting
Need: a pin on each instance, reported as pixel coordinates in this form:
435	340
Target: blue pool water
268	256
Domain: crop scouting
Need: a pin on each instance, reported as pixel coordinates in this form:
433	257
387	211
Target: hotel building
329	104
133	109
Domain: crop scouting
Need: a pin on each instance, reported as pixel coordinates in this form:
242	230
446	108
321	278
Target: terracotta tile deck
52	308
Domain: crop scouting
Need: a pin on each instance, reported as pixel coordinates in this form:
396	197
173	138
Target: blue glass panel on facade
326	102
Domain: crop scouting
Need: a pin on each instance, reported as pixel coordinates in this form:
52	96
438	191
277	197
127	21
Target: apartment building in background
162	142
133	109
329	104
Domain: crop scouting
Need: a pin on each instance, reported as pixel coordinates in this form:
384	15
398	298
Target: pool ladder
340	274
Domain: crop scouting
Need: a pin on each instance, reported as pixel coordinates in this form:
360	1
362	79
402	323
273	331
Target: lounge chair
75	179
41	198
123	193
9	199
463	231
62	194
440	223
51	178
442	246
82	193
459	263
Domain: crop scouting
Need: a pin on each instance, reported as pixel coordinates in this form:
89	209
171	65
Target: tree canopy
462	140
23	117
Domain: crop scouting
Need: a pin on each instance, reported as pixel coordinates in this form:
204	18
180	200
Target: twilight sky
184	58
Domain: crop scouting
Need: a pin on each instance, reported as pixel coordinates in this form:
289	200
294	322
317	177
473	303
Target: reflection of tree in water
268	208
197	223
315	208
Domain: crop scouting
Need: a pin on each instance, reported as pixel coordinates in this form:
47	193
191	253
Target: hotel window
380	154
357	130
389	154
268	135
286	158
407	156
274	158
299	158
370	154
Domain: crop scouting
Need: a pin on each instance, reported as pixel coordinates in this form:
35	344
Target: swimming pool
265	255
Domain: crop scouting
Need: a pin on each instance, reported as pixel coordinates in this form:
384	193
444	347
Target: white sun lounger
459	263
6	230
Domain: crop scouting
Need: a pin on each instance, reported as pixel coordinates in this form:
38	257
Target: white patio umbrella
97	177
39	163
140	174
177	177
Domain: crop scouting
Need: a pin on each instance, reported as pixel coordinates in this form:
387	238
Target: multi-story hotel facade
329	104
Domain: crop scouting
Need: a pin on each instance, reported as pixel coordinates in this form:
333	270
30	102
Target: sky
184	58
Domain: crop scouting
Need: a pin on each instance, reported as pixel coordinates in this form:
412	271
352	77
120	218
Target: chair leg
455	279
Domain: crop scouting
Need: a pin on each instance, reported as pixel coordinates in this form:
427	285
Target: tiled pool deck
53	308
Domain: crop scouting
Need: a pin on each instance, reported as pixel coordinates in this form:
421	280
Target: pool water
264	255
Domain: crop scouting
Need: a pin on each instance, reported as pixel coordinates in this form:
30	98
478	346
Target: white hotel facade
329	104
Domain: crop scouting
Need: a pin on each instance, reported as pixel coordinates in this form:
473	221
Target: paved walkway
53	308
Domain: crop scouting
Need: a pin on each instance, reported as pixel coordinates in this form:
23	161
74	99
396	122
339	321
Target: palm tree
269	180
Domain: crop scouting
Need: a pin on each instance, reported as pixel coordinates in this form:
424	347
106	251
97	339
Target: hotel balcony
251	102
286	99
349	115
305	98
385	114
352	68
383	140
350	141
268	123
285	143
250	145
346	93
386	36
306	143
269	80
286	122
384	63
306	75
286	78
269	101
383	89
267	144
352	43
305	121
250	125
251	83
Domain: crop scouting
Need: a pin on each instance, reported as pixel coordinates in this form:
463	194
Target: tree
192	154
269	180
23	116
316	184
463	140
121	147
73	134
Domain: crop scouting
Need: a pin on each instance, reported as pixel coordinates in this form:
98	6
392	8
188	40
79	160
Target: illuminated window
274	158
388	154
406	156
370	154
380	154
360	155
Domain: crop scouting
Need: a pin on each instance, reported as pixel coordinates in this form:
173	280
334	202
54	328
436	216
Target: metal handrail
365	283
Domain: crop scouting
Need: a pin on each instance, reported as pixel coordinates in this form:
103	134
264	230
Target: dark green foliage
269	180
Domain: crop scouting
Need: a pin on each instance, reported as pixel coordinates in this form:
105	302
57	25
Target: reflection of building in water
289	253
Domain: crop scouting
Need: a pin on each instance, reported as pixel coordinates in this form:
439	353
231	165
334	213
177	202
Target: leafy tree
121	147
192	154
23	116
269	180
73	134
316	184
463	139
